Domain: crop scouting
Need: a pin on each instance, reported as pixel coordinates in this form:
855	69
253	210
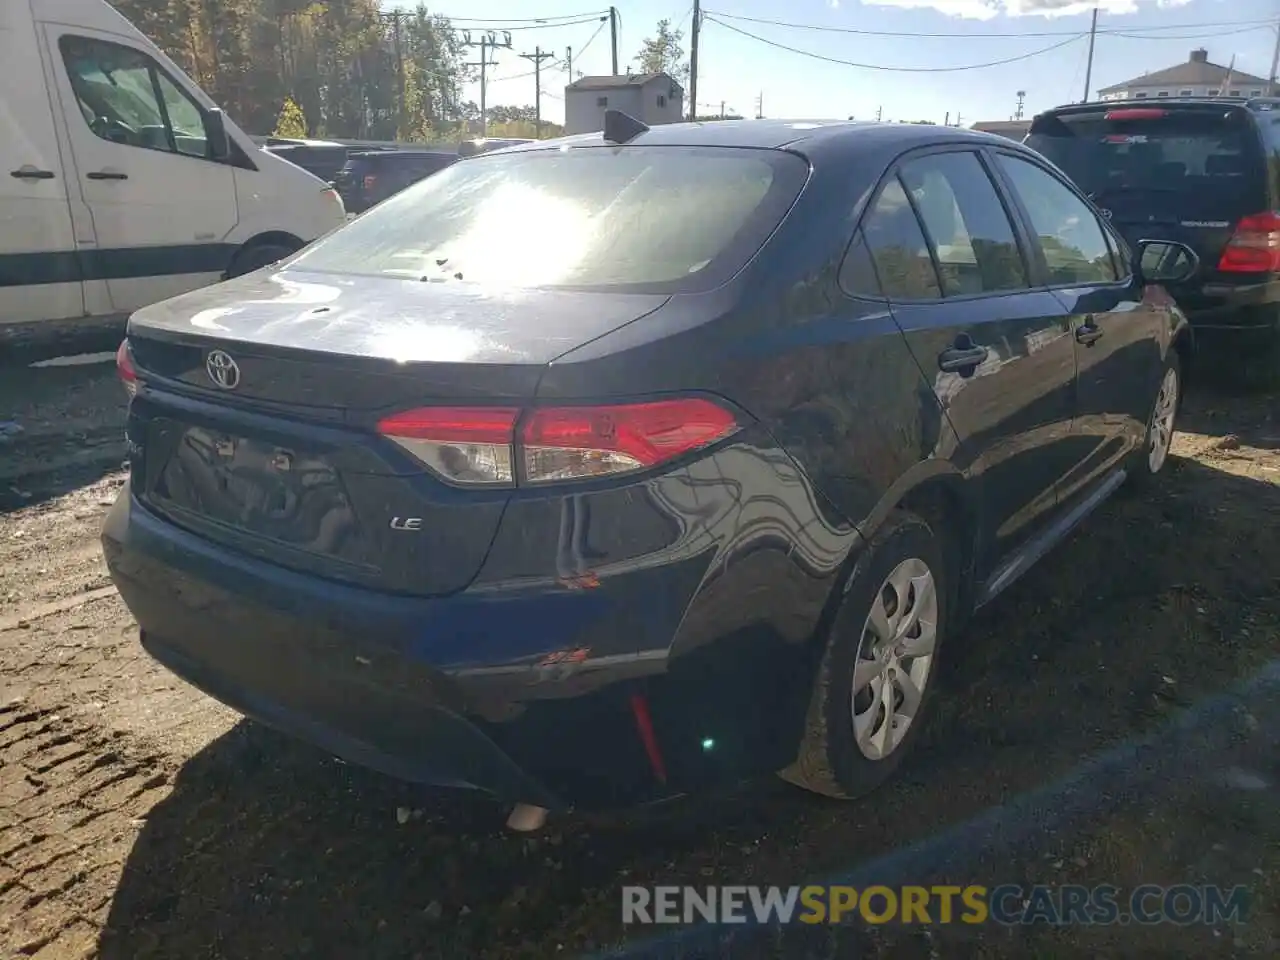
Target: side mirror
1165	261
215	132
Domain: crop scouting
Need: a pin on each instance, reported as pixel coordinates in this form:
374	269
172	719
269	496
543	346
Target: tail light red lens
1254	247
480	445
570	443
125	369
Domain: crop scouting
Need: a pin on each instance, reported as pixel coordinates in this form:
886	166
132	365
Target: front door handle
963	358
31	173
107	175
1088	333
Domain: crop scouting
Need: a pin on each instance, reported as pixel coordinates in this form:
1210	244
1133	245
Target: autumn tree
291	123
662	53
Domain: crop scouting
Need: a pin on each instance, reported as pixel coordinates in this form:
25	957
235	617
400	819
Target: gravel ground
139	819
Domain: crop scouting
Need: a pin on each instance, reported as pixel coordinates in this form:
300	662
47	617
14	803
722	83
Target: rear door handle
106	175
31	173
1088	333
962	359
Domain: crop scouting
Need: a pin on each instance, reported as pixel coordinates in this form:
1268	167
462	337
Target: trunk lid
285	464
1165	171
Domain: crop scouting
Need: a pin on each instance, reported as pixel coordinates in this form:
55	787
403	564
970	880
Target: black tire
258	256
1142	473
1259	368
830	760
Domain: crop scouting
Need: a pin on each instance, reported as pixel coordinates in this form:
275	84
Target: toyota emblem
222	370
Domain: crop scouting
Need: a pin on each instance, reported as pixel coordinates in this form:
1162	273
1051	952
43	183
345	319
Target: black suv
370	176
1205	172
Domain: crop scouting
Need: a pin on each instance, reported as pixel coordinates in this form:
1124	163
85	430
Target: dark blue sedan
605	468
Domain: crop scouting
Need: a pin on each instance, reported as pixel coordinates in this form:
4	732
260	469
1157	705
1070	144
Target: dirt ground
1094	729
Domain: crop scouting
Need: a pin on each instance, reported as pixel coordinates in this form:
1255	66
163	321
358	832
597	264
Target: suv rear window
1181	158
631	219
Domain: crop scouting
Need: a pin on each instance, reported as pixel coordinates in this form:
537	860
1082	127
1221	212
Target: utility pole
400	115
760	106
879	113
693	58
1275	63
568	59
613	37
1022	96
1088	70
537	57
488	43
946	122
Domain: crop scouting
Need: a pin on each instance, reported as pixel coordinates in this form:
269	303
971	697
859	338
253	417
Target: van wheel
1145	463
258	256
876	680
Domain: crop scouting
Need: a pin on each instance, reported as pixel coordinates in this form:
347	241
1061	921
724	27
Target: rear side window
858	272
971	235
636	219
1074	244
898	247
1154	159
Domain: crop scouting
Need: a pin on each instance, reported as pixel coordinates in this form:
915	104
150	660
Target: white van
121	183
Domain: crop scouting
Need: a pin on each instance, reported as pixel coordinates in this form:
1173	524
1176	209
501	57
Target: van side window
898	247
126	98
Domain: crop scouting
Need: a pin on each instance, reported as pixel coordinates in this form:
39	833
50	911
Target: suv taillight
1254	247
125	369
483	446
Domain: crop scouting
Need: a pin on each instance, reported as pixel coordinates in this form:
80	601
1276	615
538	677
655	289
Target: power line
875	66
562	16
820	28
1189	36
550	26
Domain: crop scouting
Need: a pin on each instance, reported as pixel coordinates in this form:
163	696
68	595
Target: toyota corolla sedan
606	468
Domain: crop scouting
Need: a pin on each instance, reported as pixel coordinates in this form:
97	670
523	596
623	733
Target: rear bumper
1232	307
685	603
385	681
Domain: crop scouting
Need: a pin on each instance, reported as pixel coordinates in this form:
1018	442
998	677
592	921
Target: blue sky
1134	36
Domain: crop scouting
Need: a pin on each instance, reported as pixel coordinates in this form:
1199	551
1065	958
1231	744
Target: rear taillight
483	445
569	443
1254	247
125	369
470	445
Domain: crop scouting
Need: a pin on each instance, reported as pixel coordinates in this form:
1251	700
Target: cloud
989	9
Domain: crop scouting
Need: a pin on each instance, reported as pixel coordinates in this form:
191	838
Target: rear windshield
626	219
1183	157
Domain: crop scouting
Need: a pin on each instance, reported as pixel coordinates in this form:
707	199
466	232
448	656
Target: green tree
291	122
662	53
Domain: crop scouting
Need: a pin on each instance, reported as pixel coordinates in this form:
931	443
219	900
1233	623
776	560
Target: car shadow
61	428
266	848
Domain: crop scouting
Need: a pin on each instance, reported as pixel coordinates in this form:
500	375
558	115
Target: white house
1197	77
651	98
